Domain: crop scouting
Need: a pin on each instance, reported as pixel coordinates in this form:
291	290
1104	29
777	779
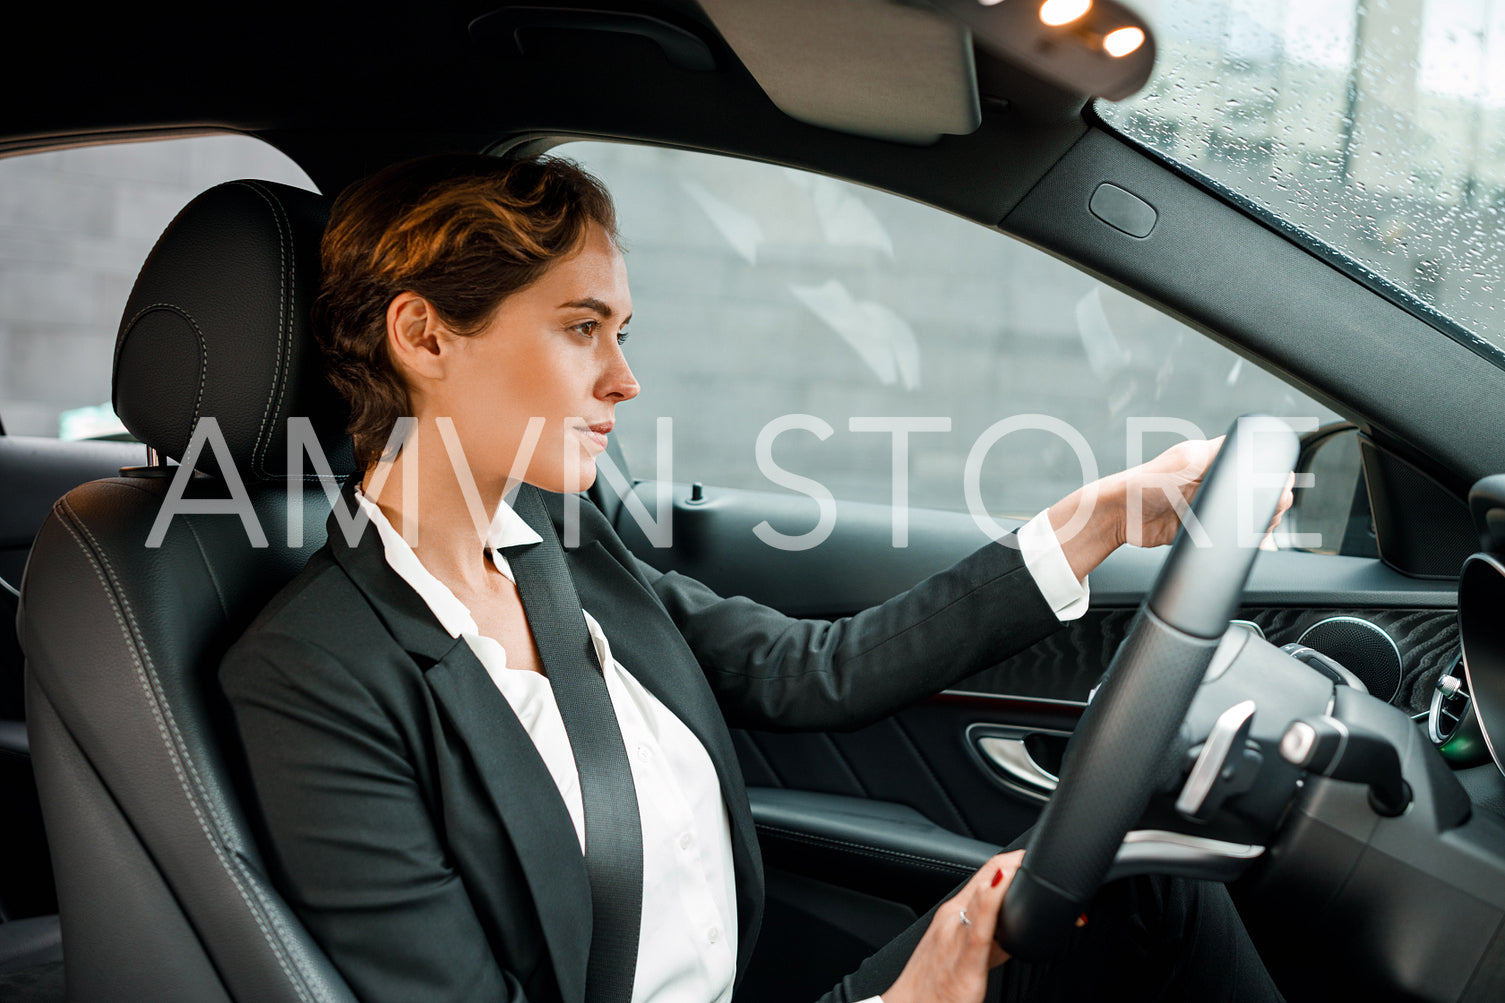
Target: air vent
1450	702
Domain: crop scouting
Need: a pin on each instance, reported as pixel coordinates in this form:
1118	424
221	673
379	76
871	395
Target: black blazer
408	817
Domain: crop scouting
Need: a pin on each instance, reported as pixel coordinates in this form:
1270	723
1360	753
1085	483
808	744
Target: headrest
218	325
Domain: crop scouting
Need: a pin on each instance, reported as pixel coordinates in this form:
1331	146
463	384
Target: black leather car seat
162	892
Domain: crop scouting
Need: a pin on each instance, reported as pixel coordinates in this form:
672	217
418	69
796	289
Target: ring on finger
963	917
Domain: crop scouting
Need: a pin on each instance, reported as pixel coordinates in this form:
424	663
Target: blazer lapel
524	797
516	782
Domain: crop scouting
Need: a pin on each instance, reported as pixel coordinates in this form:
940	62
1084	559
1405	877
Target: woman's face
551	351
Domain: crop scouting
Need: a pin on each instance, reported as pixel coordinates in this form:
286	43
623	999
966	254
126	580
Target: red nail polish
997	877
1081	921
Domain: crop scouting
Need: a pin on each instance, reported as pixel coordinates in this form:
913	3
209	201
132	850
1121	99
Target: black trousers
1146	938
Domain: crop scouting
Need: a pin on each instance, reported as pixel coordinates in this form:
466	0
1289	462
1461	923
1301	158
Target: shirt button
645	753
685	841
714	935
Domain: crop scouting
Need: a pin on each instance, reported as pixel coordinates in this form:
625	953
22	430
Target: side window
762	294
75	226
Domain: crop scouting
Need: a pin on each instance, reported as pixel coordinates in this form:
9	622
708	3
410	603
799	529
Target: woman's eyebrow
588	303
591	303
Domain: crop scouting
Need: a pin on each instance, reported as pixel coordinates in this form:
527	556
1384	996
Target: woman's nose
618	383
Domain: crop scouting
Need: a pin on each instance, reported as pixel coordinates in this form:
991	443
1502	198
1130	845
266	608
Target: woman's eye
587	328
622	336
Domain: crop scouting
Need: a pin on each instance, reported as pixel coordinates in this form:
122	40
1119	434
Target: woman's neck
441	508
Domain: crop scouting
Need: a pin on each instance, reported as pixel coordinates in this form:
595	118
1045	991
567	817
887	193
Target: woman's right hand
952	960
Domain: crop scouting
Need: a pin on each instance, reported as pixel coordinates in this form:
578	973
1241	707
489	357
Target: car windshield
1372	130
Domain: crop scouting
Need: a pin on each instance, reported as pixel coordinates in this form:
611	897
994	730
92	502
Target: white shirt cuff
872	999
1047	563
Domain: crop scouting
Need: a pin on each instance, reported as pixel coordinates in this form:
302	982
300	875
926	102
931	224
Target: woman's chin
564	482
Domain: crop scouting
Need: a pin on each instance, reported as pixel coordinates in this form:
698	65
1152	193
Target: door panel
929	759
857	566
843	882
922	757
716	541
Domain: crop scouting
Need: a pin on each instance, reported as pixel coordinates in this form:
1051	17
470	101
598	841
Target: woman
412	716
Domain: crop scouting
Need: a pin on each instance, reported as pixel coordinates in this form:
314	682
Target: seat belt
613	829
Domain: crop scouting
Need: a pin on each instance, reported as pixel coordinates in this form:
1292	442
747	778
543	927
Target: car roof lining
344	95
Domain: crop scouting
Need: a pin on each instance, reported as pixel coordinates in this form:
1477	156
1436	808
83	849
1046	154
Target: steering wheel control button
1123	210
1329	747
1225	765
1298	743
1314	745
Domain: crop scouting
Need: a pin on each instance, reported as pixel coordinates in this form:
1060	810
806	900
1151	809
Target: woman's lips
596	434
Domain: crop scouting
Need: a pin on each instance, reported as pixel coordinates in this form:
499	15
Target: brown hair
464	232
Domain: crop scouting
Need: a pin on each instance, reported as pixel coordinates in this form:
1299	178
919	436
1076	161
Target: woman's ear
416	337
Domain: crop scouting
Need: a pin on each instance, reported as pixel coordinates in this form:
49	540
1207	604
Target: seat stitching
163	717
148	672
198	401
292	302
152	686
284	251
258	450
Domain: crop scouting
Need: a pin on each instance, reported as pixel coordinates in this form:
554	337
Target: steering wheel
1120	752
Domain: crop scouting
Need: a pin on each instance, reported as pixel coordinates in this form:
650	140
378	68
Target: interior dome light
1122	42
1058	12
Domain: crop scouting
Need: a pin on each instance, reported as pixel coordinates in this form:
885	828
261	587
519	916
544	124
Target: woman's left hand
951	962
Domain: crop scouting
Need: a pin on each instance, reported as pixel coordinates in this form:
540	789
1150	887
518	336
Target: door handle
1010	756
1004	751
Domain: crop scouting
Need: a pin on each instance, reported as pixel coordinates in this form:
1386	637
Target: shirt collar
507	529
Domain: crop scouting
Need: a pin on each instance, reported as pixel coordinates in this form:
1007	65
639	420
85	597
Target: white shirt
687	946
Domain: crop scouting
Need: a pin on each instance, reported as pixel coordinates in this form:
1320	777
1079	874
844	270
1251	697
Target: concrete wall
75	226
